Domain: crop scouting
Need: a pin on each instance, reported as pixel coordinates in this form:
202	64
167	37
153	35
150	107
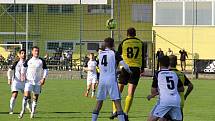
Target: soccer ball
111	23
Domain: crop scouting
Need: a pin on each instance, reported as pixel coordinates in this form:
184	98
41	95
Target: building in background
59	26
185	24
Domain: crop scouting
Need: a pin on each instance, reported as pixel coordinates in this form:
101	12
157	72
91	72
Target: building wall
45	27
203	39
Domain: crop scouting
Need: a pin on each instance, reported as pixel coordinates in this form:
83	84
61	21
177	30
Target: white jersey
16	67
108	61
92	66
167	83
35	69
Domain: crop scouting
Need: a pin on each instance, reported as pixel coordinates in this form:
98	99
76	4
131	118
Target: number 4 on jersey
104	60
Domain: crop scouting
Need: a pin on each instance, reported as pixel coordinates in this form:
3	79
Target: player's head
22	54
91	56
164	62
131	32
35	51
98	50
172	61
109	42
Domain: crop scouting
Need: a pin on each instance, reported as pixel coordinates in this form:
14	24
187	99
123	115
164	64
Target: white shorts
108	86
161	111
17	86
36	89
91	80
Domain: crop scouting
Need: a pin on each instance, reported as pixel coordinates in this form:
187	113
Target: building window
19	8
60	8
67	45
30	45
99	9
169	13
64	45
53	45
142	12
198	13
92	46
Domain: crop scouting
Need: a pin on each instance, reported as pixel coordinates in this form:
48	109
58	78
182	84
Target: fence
74	29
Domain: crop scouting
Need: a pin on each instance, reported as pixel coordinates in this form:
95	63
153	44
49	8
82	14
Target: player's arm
45	72
88	69
120	61
154	89
189	87
143	59
10	73
23	70
180	86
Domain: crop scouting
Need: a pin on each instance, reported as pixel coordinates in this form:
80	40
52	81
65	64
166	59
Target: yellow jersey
132	52
185	81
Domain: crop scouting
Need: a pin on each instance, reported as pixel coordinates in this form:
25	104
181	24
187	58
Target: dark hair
92	54
35	47
172	60
22	50
109	42
131	32
97	50
164	61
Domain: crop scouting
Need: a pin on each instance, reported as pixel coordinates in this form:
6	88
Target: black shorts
125	77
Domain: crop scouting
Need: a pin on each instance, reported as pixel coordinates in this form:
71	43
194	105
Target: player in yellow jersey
183	78
132	52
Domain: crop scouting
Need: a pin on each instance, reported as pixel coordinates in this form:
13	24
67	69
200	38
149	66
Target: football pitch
63	100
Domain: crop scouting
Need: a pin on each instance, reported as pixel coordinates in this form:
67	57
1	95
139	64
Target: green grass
62	100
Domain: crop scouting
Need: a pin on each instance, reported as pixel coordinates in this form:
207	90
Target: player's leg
34	104
97	109
13	101
26	96
93	90
123	80
25	99
36	91
132	84
101	95
175	114
152	118
159	112
120	113
89	84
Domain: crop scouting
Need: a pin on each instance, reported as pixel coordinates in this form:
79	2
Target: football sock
93	93
95	116
128	103
12	103
29	104
24	103
114	108
34	105
121	116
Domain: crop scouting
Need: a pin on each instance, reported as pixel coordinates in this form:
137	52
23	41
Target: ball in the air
111	24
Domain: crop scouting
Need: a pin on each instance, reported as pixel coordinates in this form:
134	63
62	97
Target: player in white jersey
167	85
108	61
34	72
91	75
14	80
